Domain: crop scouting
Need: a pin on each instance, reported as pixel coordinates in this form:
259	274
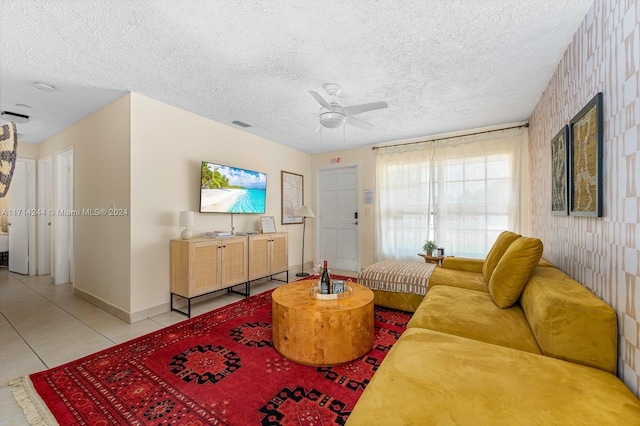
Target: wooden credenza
203	265
268	255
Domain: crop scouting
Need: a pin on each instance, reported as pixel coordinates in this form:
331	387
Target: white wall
28	150
144	156
101	144
167	147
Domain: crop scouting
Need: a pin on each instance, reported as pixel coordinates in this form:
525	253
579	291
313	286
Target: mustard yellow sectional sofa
510	340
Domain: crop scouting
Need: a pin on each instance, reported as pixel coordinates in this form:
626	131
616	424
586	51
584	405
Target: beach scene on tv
227	189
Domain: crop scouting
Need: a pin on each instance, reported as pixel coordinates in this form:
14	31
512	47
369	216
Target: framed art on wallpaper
292	196
585	160
559	154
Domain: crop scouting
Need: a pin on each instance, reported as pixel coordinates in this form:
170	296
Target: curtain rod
450	137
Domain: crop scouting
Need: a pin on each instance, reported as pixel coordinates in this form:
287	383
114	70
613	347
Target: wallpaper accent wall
601	253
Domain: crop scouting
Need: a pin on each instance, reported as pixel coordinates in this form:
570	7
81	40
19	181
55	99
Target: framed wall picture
292	196
267	225
585	160
559	168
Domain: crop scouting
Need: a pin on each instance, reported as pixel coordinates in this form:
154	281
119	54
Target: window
460	193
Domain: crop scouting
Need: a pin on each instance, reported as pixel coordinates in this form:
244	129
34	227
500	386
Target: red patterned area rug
219	368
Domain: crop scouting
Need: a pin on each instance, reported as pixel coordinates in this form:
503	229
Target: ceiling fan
335	115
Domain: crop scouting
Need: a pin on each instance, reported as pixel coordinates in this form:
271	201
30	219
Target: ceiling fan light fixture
335	114
332	119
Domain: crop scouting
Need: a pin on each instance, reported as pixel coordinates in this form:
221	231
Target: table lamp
186	220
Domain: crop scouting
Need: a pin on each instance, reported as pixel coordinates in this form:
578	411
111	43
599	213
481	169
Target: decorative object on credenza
267	225
292	196
304	212
186	220
430	247
559	165
8	154
585	160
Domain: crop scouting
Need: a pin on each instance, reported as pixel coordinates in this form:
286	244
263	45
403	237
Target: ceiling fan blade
357	109
321	100
357	122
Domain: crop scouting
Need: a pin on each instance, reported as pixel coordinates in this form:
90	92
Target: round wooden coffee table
321	332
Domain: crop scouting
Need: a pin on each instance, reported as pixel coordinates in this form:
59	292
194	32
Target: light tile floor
43	325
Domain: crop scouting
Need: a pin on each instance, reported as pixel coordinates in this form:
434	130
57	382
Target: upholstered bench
397	284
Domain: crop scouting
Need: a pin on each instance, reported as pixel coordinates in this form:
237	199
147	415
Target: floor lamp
305	212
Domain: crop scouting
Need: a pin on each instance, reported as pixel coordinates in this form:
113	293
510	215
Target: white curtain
461	192
404	178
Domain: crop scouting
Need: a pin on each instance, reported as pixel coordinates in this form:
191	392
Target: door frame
317	222
64	189
45	218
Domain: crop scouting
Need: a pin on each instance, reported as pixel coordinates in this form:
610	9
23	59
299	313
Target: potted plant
429	247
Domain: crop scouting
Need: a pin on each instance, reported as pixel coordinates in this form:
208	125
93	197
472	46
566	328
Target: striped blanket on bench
398	276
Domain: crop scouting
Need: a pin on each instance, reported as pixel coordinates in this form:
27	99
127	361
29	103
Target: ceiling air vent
241	123
14	116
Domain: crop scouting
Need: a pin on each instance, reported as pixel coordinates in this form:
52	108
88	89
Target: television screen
225	189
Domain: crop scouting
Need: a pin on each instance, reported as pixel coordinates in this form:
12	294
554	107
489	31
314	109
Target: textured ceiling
441	65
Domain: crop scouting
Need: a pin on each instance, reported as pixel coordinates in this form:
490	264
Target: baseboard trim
149	312
103	304
118	312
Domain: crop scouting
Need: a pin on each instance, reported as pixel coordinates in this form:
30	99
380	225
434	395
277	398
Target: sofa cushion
456	278
498	249
408	302
463	264
473	314
570	322
432	378
514	271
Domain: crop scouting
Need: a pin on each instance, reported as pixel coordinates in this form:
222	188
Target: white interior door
21	206
45	189
337	218
63	235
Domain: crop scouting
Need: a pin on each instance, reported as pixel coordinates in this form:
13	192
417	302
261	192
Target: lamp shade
186	218
304	211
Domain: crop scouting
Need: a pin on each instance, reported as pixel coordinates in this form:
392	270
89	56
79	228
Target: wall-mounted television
225	189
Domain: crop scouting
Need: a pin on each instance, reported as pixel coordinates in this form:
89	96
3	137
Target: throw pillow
501	245
514	271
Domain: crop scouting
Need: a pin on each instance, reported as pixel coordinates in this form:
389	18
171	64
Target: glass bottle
325	280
